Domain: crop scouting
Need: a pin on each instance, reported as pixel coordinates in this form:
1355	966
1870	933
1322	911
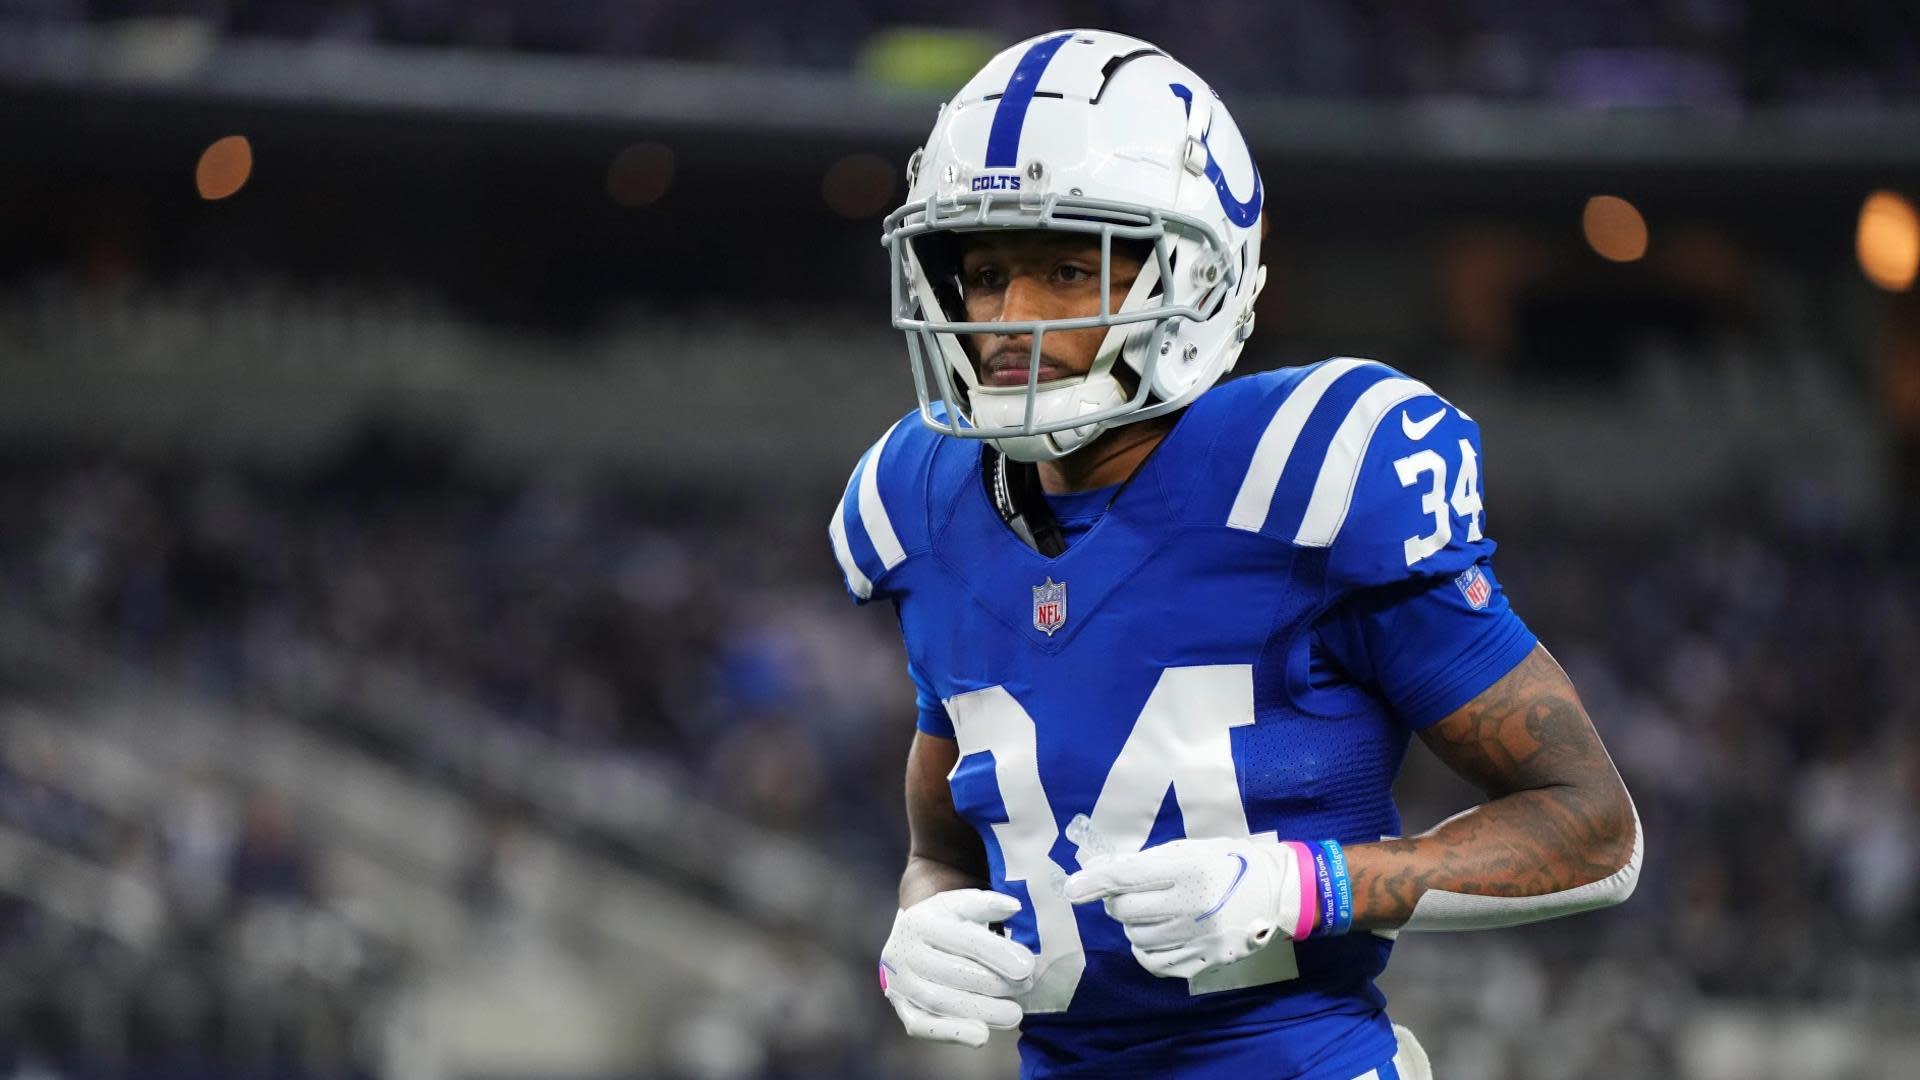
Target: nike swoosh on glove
948	975
1191	906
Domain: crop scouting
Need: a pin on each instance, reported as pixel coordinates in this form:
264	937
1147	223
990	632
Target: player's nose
1025	299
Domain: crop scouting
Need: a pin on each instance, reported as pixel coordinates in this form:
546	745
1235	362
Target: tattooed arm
1557	816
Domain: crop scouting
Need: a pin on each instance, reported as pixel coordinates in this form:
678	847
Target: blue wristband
1335	889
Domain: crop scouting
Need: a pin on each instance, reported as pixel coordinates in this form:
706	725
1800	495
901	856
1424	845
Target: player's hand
948	975
1194	905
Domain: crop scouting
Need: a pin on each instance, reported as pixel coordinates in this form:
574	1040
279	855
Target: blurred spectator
270	863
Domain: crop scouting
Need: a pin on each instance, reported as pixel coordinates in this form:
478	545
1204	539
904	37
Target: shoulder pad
1273	431
1348	457
881	518
1414	507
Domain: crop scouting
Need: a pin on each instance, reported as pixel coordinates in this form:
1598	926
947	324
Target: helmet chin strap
1088	394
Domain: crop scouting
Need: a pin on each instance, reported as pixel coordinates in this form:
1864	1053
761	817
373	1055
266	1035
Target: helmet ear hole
1140	251
1210	302
939	256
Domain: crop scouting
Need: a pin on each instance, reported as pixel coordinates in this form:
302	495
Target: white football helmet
1091	132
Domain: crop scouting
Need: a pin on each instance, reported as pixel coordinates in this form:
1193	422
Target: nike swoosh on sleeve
1417	429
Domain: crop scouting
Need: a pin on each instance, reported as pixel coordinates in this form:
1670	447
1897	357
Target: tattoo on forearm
1558	816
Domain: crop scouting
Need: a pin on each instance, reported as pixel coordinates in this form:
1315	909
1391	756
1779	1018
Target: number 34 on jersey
1180	741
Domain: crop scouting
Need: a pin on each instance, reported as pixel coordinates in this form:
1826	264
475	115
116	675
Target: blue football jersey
1240	645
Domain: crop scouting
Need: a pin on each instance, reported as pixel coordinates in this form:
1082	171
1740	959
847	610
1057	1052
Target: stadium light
1614	228
1887	240
224	167
640	175
859	186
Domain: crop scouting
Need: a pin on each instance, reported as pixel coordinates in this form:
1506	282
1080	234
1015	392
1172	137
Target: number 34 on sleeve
1465	499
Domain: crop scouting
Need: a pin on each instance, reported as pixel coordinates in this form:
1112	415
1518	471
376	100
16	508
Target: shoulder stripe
873	512
1251	505
837	528
862	500
1340	471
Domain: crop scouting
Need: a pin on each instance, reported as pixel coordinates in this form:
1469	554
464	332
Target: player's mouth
1009	369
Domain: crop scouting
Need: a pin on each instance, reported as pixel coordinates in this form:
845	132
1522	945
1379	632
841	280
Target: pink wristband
1309	896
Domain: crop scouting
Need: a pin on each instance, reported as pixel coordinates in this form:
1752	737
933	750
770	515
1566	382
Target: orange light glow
1888	241
640	175
1614	228
859	186
224	167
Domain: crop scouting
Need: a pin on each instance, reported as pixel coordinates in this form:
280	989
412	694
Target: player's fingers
931	997
922	1024
1128	873
969	975
1006	1017
981	905
972	941
1160	933
1178	963
1151	905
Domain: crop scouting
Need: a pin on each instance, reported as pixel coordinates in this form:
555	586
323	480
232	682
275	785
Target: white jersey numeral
1181	741
990	720
1434	502
1465	499
1466	491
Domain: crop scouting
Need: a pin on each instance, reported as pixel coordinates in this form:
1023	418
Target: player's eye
985	279
1072	274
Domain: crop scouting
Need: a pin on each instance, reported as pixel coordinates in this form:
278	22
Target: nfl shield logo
1050	606
1475	587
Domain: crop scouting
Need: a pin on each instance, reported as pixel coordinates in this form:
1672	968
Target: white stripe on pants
1410	1060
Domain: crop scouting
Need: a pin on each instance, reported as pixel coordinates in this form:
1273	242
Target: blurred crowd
1756	685
197	942
1642	52
611	624
676	627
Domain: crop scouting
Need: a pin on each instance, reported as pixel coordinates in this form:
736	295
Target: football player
1171	636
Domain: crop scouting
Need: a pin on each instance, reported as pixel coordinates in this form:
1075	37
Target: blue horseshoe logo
1243	214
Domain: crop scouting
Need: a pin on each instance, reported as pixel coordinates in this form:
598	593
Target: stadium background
420	655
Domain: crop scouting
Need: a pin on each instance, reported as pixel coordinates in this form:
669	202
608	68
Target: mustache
1020	358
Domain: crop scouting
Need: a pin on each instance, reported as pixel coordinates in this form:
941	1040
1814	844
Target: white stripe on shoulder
837	528
873	511
1250	506
1340	471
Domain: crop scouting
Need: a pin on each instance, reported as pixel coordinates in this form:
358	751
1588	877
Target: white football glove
1191	906
948	975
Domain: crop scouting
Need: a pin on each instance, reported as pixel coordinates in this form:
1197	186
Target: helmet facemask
1186	277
